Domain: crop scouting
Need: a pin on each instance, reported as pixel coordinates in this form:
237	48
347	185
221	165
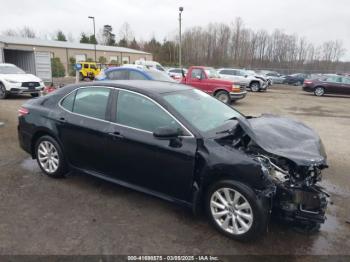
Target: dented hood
285	137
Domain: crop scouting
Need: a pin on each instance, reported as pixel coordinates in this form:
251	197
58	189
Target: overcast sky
317	20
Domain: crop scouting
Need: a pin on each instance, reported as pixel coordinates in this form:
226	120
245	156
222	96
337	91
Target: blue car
130	73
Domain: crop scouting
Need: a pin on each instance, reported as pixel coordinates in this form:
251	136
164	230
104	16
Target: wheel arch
40	133
218	89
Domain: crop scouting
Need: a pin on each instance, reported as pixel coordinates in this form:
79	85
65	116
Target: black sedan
182	145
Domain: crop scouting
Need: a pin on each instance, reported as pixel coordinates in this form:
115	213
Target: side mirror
166	133
246	76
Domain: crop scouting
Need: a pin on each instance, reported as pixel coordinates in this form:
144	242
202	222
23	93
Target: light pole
93	20
180	12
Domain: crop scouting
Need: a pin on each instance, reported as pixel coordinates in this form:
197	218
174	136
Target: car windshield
11	70
202	110
212	73
159	76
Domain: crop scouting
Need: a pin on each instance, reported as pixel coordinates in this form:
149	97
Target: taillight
23	111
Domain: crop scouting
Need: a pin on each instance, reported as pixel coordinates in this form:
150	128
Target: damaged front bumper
300	202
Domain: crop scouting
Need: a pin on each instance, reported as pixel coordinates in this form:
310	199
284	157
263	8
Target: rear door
83	127
137	157
333	84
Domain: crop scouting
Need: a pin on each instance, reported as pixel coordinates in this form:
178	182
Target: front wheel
50	157
34	94
3	92
255	86
223	96
234	210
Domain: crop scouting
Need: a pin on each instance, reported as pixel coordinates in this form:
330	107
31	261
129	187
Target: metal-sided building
34	55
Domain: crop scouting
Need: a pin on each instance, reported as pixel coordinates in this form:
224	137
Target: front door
137	157
198	79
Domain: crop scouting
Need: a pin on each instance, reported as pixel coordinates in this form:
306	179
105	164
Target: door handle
62	120
116	135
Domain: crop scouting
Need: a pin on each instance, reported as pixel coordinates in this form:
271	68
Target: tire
34	94
255	86
319	91
81	77
223	96
255	216
3	92
57	167
298	83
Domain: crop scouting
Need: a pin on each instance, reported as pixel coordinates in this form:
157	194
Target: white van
151	64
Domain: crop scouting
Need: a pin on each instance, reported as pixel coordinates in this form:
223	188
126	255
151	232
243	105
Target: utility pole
93	20
180	12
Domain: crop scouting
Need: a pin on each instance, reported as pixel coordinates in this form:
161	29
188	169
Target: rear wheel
49	156
223	96
255	86
235	210
81	77
319	91
3	92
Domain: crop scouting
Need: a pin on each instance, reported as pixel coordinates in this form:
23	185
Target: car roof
146	87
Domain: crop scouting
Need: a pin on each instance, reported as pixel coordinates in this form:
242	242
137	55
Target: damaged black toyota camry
182	145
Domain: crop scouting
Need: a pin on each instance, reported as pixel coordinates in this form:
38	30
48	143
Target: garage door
43	66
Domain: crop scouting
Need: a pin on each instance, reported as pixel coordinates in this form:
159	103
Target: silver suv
244	77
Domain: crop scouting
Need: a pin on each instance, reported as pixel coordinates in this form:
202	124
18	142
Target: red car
330	84
208	80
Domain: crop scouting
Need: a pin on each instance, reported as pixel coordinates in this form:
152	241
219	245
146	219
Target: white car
244	77
150	65
14	80
177	73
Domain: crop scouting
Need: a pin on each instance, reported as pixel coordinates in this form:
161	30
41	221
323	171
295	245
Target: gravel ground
83	215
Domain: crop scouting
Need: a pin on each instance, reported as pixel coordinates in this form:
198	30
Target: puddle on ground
30	165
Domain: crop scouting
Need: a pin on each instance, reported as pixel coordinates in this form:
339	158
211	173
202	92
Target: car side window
159	68
68	101
333	79
118	75
139	112
346	80
196	72
133	75
226	72
92	102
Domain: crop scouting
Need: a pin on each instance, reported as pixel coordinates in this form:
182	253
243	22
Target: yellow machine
89	70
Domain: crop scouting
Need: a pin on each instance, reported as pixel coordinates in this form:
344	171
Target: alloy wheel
2	91
48	157
231	211
255	87
319	91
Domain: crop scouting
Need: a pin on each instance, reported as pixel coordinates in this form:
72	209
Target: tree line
223	45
